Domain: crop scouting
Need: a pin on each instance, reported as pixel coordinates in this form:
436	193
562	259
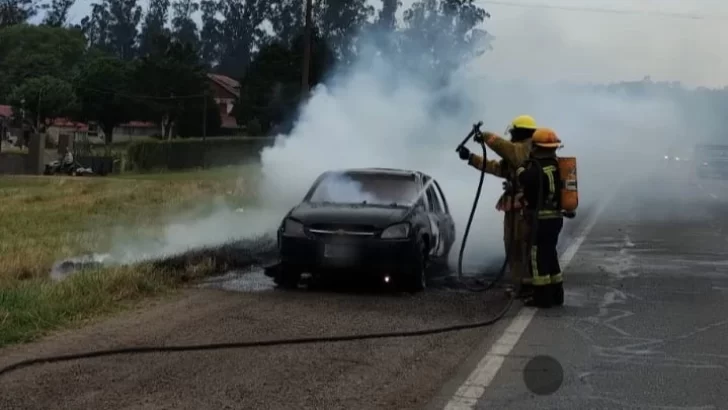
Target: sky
556	44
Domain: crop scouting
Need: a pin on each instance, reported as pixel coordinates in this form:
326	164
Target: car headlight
293	228
666	157
398	231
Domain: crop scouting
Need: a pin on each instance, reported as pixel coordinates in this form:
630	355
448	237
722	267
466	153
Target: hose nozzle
473	132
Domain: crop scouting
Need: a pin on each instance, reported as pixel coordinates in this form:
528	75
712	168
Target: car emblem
340	232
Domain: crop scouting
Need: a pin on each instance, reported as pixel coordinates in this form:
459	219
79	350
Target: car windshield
366	188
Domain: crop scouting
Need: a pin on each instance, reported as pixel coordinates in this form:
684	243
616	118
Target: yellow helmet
546	138
524	122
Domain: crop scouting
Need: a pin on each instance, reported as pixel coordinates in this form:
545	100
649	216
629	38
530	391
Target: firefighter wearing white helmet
513	153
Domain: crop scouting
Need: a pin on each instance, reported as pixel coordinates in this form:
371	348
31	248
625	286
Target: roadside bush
253	127
194	153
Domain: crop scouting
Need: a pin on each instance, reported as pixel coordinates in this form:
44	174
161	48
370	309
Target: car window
441	197
434	201
366	187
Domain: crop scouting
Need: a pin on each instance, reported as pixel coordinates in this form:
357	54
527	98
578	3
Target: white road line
473	389
712	195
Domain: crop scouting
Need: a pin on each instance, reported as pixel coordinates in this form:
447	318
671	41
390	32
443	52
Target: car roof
385	171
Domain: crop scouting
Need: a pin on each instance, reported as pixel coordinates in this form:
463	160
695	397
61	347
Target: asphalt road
644	327
645	323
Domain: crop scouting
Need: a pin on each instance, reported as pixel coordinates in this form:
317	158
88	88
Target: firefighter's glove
479	137
482	137
464	153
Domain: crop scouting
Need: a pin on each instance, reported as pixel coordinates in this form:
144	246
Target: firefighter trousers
515	240
544	267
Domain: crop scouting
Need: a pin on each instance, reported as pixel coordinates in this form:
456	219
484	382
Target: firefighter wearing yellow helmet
513	154
540	181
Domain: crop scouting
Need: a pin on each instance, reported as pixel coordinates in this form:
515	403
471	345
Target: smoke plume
379	114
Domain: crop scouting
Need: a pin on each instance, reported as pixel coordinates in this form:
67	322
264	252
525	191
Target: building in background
225	92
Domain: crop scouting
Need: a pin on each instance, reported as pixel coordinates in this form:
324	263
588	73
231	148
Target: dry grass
44	219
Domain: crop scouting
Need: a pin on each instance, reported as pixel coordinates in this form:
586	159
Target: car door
447	224
435	214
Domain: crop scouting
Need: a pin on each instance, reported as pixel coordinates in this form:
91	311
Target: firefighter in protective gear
513	153
541	185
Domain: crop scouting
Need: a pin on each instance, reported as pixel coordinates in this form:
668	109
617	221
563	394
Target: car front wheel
287	278
416	279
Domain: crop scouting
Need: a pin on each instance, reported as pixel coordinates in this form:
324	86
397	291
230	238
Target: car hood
338	214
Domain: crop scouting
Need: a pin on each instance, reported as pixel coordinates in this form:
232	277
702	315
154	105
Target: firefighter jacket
541	184
513	155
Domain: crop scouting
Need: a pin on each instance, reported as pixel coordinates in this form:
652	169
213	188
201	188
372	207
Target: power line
653	13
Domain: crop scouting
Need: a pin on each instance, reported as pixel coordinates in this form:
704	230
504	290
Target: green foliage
102	86
58	12
189	123
44	97
18	11
171	69
28	51
153	25
194	153
447	30
270	90
112	27
253	127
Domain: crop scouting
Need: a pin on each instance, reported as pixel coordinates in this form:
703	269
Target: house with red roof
225	92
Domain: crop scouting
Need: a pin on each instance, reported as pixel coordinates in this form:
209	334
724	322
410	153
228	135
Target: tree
210	34
286	17
44	97
17	11
102	84
339	22
184	28
28	51
270	89
58	13
112	27
240	31
173	78
189	123
153	25
387	20
441	35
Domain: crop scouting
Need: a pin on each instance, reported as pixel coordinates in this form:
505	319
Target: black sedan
387	223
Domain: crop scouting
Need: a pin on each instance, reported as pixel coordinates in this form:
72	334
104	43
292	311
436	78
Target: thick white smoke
378	114
375	115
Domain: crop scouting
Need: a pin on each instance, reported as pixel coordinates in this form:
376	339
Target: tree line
126	62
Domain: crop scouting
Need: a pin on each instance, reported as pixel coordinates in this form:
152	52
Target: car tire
416	279
287	278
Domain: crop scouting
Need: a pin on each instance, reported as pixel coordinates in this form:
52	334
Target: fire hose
308	340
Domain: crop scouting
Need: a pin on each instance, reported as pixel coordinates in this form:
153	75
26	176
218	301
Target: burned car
387	224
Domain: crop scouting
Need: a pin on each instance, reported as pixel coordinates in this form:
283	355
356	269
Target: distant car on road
390	224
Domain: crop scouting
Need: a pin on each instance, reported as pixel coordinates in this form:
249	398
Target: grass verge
45	219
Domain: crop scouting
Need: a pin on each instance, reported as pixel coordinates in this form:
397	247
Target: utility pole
306	51
37	112
204	130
